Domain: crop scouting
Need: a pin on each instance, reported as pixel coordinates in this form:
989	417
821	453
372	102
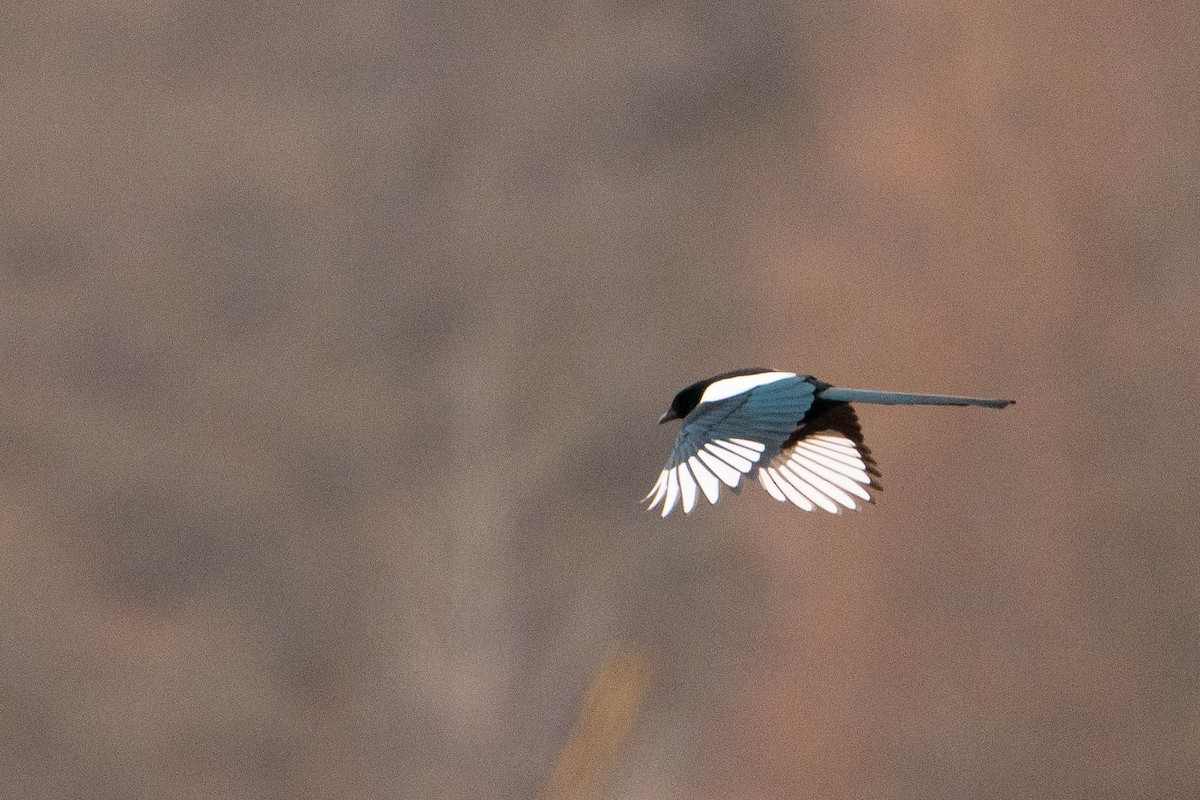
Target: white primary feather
836	478
708	483
785	485
687	488
807	489
768	483
672	493
820	484
748	453
729	457
655	495
848	465
728	475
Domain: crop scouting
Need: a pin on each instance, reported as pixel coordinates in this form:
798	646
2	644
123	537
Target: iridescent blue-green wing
730	436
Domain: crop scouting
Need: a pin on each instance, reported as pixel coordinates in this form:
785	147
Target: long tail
901	399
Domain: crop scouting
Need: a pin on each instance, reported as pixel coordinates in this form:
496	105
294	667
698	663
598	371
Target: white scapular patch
728	387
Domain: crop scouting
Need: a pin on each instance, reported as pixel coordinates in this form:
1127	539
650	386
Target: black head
689	397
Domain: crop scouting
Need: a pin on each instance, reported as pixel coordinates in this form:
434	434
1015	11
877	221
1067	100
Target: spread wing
722	440
824	463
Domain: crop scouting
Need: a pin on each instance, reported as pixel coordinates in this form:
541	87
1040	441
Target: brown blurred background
334	335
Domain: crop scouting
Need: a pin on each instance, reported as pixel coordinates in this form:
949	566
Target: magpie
798	436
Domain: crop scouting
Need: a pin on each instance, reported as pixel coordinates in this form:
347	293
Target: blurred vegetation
609	710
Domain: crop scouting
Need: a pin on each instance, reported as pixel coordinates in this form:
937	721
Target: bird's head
689	397
684	402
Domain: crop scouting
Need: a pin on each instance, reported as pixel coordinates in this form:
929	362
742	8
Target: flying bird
798	436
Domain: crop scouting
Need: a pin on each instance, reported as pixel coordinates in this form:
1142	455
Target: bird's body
796	435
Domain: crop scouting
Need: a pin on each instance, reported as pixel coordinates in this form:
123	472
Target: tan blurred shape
604	723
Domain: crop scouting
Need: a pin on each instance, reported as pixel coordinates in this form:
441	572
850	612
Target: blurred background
334	336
